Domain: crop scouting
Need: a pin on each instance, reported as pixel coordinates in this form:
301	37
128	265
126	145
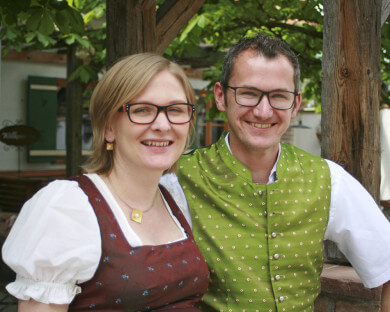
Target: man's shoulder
292	149
196	156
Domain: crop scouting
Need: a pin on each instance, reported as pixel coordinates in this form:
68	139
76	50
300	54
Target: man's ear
219	97
297	105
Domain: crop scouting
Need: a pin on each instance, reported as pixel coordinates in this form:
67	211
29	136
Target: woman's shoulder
54	242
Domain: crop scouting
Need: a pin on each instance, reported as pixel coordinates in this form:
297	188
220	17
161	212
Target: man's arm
386	297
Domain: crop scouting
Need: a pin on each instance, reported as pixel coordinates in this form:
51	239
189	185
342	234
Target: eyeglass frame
126	108
262	95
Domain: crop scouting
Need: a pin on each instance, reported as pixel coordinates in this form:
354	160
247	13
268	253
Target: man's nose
264	108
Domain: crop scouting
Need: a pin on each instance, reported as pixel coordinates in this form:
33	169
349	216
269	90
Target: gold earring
109	146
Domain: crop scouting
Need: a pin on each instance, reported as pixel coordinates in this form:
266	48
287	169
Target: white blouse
55	242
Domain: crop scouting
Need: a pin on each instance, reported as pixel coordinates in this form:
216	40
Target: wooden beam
36	56
131	27
172	16
385	11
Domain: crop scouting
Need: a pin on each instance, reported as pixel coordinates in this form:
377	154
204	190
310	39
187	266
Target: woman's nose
161	122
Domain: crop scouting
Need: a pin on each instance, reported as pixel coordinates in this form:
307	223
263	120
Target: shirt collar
272	176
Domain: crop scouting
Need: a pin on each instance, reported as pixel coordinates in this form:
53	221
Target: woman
114	239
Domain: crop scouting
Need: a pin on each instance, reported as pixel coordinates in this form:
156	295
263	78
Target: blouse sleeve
53	245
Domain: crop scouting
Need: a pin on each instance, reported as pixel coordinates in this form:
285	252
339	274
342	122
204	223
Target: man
261	209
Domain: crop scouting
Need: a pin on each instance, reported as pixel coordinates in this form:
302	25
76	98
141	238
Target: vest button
281	298
273	234
260	192
277	277
276	256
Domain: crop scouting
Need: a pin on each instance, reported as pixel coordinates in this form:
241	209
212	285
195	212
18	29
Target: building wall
13	99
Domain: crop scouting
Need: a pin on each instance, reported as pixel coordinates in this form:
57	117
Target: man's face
259	128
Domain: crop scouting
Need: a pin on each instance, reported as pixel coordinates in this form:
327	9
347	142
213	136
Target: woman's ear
109	135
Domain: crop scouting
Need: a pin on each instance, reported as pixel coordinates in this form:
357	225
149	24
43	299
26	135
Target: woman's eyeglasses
146	113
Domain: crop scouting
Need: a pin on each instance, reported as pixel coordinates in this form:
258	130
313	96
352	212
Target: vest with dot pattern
263	243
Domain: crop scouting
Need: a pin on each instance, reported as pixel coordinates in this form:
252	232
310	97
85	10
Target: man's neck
259	162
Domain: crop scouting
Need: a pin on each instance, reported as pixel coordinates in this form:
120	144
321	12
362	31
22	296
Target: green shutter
42	115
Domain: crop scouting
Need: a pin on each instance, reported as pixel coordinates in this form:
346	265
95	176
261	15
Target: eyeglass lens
277	99
145	113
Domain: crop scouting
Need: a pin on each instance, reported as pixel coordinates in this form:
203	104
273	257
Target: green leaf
80	73
83	42
188	29
75	20
29	37
84	74
45	40
34	20
60	18
46	26
203	21
11	34
75	74
70	40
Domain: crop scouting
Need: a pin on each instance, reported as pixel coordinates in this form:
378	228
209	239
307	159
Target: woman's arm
386	297
35	306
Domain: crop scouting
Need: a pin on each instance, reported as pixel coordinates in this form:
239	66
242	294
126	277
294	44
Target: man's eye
279	95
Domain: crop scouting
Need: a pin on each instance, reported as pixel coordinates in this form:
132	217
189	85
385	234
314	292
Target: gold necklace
136	214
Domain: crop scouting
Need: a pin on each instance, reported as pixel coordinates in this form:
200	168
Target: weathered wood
385	13
131	27
36	56
172	16
74	102
351	88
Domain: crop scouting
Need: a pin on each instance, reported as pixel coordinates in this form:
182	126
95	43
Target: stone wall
342	291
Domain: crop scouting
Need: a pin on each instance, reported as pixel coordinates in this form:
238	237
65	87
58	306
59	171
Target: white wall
385	154
13	98
306	138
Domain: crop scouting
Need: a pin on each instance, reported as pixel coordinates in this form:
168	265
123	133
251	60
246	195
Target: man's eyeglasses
146	113
251	97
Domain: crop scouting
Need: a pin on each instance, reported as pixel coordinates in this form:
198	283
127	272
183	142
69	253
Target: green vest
263	243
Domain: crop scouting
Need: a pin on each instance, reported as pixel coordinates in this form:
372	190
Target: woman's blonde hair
121	83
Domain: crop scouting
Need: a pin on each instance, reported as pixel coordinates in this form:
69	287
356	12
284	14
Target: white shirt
55	242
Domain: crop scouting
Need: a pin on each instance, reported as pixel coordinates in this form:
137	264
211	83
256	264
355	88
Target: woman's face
154	146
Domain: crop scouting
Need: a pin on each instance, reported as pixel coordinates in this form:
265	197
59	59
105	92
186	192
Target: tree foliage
47	24
219	23
56	24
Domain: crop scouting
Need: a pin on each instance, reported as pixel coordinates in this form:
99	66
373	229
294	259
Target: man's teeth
260	125
154	143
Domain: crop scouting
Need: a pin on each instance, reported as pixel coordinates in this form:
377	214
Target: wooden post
131	27
74	103
351	88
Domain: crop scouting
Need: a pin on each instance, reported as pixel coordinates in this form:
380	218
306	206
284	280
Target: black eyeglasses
146	113
251	97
